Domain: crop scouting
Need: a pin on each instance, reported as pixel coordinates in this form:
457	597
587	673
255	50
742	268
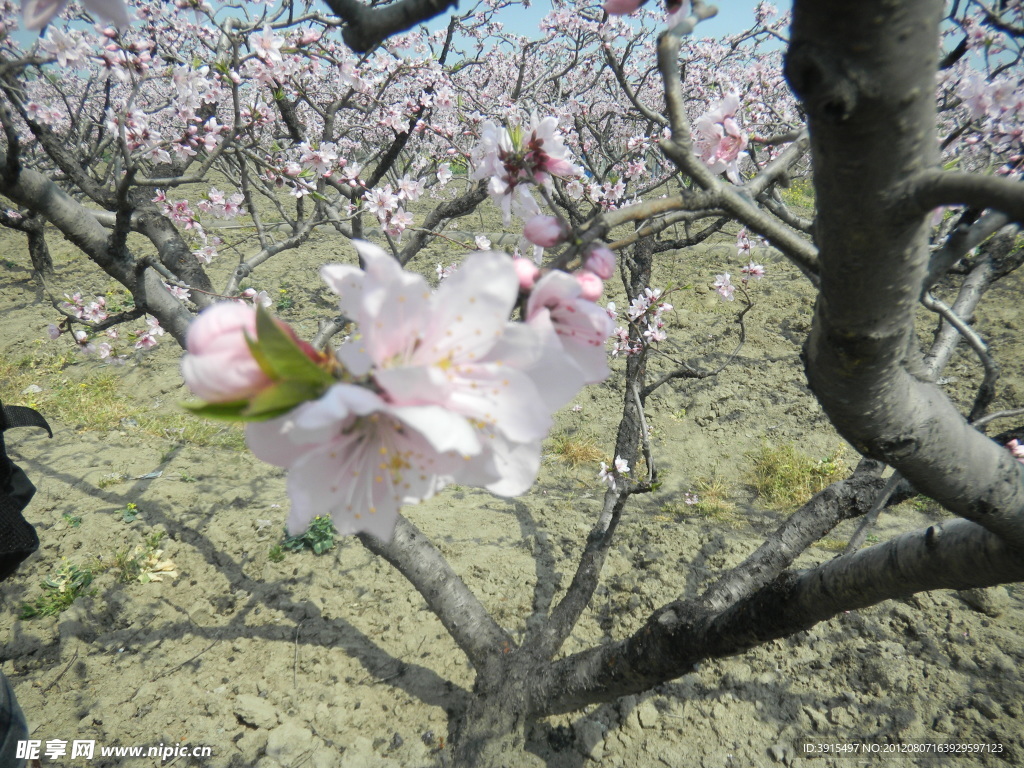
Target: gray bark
866	75
78	224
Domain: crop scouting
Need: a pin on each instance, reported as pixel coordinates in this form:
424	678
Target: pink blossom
512	160
219	366
1016	448
268	45
545	231
410	189
753	270
453	348
557	306
353	456
153	326
68	49
743	243
601	261
381	201
309	36
608	474
260	298
724	286
38	13
396	223
145	340
719	139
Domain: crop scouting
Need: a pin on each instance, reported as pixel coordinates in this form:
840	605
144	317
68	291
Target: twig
988	385
997	415
66	668
295	662
645	440
186	661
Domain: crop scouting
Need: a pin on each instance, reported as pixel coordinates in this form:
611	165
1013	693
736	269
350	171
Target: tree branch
367	27
930	189
953	555
465	619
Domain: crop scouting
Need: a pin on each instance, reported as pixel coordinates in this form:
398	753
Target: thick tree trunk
492	733
866	75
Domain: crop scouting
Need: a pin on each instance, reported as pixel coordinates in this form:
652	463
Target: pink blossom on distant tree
512	160
719	138
723	284
38	13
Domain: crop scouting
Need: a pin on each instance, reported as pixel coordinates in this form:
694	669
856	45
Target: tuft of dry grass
709	500
832	545
575	450
786	477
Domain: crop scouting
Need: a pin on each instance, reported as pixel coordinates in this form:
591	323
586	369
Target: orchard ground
333	660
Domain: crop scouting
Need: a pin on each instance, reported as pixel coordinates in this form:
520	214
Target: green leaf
281	398
221	411
260	357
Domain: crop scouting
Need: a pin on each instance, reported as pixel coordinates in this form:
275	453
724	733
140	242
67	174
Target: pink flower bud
527	272
219	366
621	7
591	285
544	231
601	261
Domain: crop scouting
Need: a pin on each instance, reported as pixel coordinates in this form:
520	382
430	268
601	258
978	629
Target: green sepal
280	357
280	398
219	411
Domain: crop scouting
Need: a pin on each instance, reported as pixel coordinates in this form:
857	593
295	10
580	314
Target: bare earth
333	660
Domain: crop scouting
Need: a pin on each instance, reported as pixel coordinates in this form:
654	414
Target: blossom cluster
720	142
96	312
433	388
512	160
645	313
386	204
723	284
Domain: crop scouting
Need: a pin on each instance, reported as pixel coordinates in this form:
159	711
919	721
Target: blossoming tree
458	385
